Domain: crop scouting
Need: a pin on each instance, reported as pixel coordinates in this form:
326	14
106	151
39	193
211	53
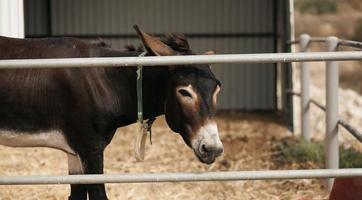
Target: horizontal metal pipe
350	43
318	39
341	42
312	39
181	177
180	60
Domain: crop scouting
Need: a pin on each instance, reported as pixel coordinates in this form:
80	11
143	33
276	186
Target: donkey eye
185	93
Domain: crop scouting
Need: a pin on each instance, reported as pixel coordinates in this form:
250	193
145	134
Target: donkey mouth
206	159
207	153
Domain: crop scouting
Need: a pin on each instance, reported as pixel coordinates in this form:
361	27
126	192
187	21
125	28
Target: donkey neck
155	85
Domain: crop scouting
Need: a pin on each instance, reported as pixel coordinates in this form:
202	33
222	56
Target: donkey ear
153	44
177	41
210	52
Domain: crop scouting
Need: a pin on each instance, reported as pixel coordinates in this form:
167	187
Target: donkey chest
52	138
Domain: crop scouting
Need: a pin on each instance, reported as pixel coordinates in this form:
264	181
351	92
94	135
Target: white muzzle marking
207	144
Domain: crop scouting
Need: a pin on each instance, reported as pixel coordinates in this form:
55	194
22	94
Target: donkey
77	110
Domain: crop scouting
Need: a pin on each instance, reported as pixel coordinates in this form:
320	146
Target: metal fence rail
350	43
341	42
331	109
181	177
341	122
180	60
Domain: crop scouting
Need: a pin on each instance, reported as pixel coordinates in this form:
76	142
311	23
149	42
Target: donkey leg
77	192
93	164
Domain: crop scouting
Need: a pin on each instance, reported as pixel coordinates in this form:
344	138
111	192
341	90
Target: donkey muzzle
207	145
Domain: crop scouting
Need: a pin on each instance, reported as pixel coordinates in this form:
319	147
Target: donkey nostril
204	148
211	150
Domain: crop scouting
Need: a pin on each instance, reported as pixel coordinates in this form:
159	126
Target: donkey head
191	97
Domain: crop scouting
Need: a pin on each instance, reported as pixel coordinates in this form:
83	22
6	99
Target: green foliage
316	6
358	30
350	158
300	151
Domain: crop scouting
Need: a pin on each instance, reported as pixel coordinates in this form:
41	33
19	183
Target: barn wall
226	26
36	17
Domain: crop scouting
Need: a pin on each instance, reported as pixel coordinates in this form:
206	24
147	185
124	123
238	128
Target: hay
248	141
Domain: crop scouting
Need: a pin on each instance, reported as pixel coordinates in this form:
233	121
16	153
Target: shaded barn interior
230	26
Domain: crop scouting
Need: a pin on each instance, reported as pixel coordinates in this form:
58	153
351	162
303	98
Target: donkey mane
100	43
133	48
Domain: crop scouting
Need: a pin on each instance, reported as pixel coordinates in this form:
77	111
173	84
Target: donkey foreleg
93	164
77	191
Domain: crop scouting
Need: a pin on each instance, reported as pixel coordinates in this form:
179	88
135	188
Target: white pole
180	60
305	84
331	139
12	18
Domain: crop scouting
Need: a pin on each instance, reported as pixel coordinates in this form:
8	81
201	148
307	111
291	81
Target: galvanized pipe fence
331	109
341	42
179	60
181	177
184	60
343	123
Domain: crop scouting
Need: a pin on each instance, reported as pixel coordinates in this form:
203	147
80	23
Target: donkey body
77	110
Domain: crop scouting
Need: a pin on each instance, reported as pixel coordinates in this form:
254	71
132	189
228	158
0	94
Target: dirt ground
248	141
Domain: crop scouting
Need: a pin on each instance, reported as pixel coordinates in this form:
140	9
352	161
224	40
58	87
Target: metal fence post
332	85
305	83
